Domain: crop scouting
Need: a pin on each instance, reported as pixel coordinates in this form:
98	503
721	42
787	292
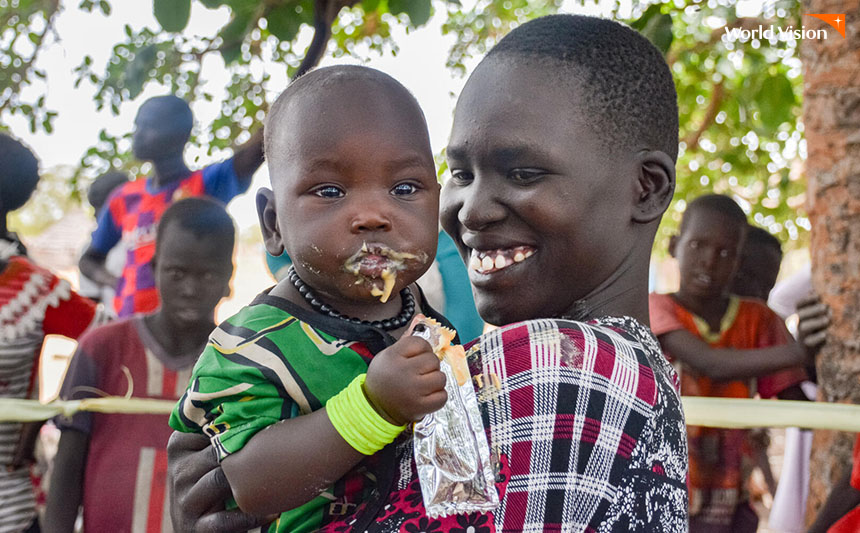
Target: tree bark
831	115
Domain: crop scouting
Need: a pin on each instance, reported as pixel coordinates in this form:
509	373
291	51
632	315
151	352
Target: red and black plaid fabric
586	431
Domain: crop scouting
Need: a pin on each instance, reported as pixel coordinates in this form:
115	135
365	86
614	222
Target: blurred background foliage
739	102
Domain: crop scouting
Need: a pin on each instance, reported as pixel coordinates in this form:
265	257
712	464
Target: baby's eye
329	191
404	189
461	177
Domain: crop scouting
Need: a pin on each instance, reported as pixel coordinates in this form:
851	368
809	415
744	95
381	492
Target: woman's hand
199	489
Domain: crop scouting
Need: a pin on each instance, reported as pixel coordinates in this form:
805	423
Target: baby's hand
404	382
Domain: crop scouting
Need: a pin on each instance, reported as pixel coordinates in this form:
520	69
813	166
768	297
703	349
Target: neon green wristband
357	421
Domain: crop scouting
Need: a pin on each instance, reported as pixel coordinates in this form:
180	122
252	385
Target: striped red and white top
33	303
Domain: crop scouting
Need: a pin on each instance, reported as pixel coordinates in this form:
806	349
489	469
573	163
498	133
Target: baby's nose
370	220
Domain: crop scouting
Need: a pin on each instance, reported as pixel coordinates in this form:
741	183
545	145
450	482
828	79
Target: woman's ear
654	187
268	215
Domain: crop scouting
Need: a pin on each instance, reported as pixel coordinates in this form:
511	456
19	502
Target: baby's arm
292	461
288	464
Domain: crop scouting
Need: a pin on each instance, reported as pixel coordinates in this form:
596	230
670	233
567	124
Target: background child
161	131
115	464
33	303
726	347
758	266
354	200
97	195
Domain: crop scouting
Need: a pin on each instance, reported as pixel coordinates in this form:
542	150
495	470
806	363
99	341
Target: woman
555	218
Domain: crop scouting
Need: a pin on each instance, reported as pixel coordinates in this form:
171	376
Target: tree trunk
831	115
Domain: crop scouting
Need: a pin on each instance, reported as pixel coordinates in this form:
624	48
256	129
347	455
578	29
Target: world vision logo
836	20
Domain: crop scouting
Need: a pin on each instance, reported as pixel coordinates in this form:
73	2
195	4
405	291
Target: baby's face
355	192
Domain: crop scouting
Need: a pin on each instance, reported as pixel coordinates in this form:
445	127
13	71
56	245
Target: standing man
161	131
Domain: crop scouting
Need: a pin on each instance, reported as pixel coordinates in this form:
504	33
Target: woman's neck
623	293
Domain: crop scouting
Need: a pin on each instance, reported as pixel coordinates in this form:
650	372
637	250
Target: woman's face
533	201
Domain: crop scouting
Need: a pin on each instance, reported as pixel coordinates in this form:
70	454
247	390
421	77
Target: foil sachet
450	445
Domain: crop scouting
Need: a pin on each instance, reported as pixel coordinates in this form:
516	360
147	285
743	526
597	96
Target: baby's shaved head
317	86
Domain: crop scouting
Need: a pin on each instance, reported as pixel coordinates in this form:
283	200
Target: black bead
406	311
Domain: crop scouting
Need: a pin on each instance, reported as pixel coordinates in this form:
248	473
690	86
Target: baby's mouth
489	261
378	264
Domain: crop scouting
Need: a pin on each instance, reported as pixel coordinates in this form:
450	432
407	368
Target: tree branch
692	138
325	13
747	23
26	65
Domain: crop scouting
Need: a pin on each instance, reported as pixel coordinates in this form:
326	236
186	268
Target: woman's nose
480	207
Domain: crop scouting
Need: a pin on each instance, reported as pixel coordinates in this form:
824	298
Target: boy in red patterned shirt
162	128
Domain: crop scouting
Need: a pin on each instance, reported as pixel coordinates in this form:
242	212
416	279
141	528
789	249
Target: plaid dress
585	428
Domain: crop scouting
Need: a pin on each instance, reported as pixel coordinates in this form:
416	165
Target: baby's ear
268	215
654	187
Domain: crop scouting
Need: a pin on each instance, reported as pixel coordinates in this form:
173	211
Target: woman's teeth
493	261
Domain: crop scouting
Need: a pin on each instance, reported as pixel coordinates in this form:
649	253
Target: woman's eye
524	176
404	189
461	177
329	191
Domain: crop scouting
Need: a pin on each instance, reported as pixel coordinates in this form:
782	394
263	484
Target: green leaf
136	73
658	30
284	22
418	11
231	52
775	100
172	14
236	29
369	6
640	23
212	4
